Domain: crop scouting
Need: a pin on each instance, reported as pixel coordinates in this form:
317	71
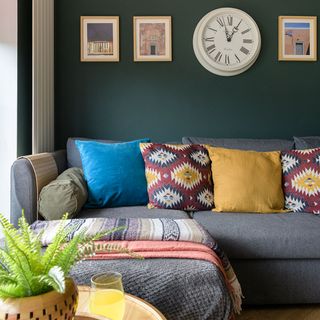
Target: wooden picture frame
297	38
152	38
99	38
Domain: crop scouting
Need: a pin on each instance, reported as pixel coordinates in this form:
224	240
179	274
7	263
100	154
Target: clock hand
234	30
225	29
227	34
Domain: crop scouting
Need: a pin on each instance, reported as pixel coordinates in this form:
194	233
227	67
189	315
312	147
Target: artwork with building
297	38
100	39
152	39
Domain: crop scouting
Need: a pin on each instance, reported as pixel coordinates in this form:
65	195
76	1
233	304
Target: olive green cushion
68	193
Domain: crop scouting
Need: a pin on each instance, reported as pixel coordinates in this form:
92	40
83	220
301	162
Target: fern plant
25	270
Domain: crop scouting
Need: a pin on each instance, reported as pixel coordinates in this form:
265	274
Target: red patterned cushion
301	180
178	176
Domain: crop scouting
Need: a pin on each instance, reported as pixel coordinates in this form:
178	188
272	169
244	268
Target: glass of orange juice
107	295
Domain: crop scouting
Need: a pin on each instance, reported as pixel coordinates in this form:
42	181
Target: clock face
227	41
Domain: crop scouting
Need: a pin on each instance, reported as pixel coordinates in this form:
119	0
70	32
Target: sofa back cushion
73	155
178	176
246	181
302	143
301	180
243	144
114	173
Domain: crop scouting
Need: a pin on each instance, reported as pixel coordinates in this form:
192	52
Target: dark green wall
165	101
24	143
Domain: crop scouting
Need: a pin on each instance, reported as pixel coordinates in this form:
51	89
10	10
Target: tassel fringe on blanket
152	238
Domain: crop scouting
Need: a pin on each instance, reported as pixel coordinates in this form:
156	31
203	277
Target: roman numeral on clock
247	41
212	29
221	22
218	57
245	31
237	57
230	20
211	48
210	39
227	59
244	50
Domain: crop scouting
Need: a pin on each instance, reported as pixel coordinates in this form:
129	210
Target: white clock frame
201	54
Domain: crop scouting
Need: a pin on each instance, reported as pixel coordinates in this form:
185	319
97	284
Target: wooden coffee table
136	308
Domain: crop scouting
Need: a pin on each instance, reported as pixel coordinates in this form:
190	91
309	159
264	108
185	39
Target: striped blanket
182	230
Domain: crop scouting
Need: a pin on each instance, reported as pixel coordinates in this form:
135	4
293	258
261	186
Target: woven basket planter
48	306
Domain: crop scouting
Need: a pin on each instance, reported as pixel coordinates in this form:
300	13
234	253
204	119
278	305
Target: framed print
100	39
297	38
152	38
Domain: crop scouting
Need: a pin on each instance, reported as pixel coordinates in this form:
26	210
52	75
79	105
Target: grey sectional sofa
276	256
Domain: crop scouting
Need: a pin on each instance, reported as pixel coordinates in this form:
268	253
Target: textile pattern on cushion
178	176
246	181
114	173
301	180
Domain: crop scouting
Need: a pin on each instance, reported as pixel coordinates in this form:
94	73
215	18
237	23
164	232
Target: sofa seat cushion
264	236
132	212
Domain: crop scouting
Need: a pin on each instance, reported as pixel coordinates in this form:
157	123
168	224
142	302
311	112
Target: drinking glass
107	295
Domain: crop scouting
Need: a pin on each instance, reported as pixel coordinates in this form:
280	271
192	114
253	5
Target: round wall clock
227	41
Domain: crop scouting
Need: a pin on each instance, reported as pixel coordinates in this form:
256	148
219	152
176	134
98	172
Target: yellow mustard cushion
246	181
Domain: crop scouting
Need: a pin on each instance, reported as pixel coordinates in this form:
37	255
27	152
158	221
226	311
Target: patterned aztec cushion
301	180
178	176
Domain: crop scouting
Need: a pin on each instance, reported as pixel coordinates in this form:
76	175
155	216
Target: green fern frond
54	249
31	240
7	279
26	271
11	291
54	279
16	267
69	255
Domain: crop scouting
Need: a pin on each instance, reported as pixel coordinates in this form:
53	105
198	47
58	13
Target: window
8	98
299	48
153	50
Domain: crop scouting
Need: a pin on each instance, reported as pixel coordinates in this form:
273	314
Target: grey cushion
262	236
73	155
243	144
132	212
302	143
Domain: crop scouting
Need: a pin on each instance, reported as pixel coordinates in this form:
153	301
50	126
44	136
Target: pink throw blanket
174	249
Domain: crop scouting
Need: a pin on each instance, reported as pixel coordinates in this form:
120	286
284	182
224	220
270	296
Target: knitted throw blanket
186	230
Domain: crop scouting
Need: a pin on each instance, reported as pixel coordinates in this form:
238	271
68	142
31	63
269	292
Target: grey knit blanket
182	289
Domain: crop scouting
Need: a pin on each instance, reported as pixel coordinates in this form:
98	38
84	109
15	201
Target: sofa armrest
23	187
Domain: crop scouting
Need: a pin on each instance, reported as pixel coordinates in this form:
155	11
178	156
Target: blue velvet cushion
115	173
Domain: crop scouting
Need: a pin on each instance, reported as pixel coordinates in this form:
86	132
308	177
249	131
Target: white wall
8	97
